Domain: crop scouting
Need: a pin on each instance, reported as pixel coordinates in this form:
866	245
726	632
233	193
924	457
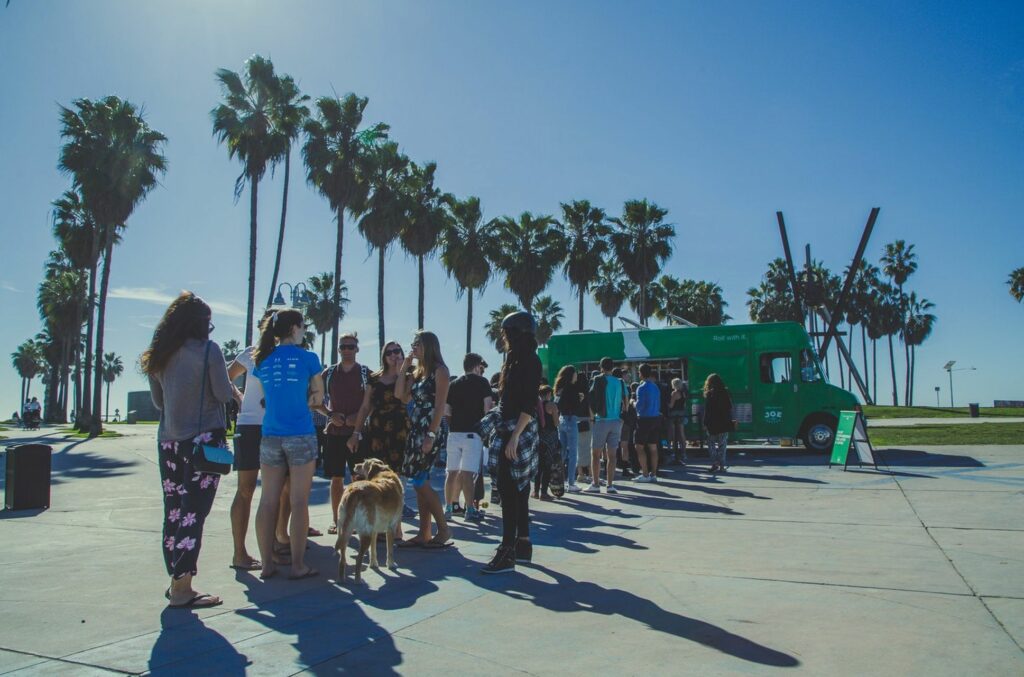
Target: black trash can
28	477
975	412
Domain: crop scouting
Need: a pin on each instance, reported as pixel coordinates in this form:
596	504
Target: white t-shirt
251	411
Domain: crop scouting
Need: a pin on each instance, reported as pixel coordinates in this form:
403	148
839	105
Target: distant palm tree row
878	304
361	172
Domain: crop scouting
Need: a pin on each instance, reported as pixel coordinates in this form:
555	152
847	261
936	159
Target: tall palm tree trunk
254	186
874	370
420	316
907	397
106	410
337	283
280	232
580	292
380	297
96	428
913	368
323	347
892	367
611	327
469	322
90	326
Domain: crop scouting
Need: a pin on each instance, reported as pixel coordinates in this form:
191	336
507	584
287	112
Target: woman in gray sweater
188	380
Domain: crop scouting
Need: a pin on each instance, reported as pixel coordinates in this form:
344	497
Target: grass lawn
937	412
956	433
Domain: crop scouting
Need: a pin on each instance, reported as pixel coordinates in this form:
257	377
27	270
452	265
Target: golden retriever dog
368	507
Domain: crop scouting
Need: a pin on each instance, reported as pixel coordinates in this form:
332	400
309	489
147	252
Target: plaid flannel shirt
495	433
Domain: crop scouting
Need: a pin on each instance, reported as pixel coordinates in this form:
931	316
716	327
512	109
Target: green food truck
777	384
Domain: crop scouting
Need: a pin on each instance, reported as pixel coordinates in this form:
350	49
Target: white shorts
465	452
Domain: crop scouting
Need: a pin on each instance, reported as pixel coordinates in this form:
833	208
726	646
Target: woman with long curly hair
188	381
428	433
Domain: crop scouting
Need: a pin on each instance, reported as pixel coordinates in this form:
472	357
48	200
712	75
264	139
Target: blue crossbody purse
209	458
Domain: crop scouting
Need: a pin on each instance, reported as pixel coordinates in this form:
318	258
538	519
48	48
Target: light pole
949	368
937	396
298	293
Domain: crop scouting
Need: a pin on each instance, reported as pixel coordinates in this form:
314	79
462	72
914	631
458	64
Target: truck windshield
810	369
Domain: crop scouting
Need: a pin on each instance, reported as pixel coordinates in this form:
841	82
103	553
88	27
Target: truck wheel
819	431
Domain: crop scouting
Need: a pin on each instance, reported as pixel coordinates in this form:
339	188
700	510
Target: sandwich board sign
852	431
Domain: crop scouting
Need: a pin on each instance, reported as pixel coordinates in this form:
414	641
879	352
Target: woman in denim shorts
291	381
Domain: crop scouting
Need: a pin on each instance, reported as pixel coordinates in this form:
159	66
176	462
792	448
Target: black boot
524	551
504	561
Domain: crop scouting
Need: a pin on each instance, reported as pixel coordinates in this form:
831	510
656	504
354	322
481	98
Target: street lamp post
949	368
298	293
937	396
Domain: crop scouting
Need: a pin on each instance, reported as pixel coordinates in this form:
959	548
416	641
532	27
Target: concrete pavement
780	565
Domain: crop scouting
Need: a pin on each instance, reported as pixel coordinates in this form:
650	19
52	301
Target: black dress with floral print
421	414
387	427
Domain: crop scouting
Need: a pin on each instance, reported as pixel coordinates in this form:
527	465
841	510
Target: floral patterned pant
188	497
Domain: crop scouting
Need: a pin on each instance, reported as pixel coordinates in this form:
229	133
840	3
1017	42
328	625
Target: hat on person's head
521	322
472	361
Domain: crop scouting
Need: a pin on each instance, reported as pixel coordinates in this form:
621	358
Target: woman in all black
510	431
717	419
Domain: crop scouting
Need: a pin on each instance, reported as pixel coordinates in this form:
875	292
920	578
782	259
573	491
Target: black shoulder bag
207	457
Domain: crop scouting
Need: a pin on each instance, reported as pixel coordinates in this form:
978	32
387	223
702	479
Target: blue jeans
568	436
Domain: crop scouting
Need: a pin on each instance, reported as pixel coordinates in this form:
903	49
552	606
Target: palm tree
493	326
650	297
899	262
586	232
1016	282
642	242
697	301
918	328
427	220
321	309
231	348
61	302
114	158
244	121
860	307
465	243
27	360
549	318
79	239
386	212
112	369
527	250
288	115
889	319
610	289
336	153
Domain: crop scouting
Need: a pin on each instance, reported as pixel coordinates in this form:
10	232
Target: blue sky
721	112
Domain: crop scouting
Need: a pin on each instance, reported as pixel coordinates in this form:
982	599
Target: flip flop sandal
253	565
314	532
411	544
434	544
309	574
268	576
332	530
192	603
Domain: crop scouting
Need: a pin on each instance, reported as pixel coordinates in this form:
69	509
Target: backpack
364	379
596	395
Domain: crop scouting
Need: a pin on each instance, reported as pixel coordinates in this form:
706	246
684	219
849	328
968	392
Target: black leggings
515	505
540	484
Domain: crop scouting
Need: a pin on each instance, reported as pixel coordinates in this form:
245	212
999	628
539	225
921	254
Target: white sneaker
611	490
593	489
641	479
652	478
573	489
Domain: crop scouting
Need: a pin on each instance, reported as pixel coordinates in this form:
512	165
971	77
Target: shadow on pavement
564	594
926	459
183	638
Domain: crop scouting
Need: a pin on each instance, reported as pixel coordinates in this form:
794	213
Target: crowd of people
411	413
